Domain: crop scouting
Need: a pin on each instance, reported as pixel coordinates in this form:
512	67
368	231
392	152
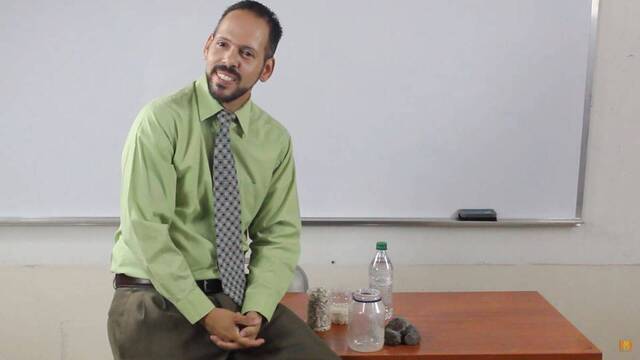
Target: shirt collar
208	106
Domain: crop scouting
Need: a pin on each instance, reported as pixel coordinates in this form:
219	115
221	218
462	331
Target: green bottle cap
381	245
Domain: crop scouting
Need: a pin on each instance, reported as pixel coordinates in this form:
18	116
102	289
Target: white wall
58	284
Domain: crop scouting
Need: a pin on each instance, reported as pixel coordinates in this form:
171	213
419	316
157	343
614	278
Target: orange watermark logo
625	345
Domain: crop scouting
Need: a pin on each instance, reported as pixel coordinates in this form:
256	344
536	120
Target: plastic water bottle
381	277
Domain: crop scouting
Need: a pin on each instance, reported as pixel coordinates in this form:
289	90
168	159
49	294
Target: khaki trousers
142	324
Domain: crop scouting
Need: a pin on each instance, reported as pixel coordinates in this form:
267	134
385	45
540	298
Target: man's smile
225	76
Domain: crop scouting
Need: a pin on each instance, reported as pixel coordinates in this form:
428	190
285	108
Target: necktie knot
225	117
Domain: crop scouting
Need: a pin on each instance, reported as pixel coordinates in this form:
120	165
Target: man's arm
275	235
148	205
147	210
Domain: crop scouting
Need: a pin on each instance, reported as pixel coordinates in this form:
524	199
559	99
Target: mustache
229	69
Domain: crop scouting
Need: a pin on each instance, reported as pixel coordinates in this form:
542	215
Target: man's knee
290	337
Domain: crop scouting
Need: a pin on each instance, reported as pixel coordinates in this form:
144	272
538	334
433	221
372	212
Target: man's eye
221	44
247	53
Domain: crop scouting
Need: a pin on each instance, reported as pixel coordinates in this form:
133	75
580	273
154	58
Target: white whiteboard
398	109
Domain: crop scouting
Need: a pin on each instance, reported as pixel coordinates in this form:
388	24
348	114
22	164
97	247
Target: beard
227	98
238	92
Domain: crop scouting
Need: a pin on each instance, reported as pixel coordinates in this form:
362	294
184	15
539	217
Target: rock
392	337
410	336
399	330
398	324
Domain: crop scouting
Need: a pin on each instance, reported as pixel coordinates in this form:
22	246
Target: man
203	169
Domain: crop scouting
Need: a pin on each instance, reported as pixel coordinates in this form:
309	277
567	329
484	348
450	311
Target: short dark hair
263	12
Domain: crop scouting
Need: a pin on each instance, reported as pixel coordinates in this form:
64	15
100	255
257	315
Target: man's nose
231	57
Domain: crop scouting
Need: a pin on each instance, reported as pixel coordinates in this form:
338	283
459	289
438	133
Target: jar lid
367	295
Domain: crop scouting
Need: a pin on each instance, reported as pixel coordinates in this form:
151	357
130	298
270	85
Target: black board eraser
477	215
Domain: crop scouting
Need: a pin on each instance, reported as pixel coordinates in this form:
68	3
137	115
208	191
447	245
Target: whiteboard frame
438	222
586	119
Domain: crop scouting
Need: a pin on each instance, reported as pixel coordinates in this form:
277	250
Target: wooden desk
472	325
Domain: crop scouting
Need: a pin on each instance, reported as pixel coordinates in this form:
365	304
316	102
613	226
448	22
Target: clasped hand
231	330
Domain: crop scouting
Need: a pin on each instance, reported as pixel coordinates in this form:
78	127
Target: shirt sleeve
275	235
147	210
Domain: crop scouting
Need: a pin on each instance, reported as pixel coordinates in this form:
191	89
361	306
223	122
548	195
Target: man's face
235	57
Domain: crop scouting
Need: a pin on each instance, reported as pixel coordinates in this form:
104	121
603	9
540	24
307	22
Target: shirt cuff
195	305
257	303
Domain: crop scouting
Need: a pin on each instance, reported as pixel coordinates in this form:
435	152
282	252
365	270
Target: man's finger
248	342
247	320
225	345
249	331
229	334
235	345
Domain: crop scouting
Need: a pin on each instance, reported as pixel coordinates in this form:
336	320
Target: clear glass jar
366	321
339	307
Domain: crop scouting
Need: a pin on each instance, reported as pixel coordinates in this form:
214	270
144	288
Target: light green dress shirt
167	225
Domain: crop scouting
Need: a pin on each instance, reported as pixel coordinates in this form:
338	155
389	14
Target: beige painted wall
56	280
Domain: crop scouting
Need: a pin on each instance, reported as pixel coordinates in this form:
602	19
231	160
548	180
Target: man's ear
267	69
207	44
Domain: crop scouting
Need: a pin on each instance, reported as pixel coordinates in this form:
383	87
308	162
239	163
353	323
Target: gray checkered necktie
227	216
